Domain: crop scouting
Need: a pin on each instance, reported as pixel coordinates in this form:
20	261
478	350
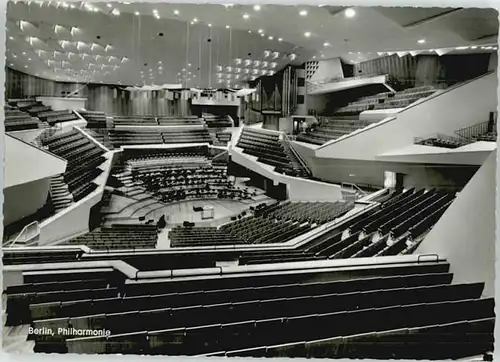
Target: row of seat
174	135
18	120
214	121
387	100
390	229
119	237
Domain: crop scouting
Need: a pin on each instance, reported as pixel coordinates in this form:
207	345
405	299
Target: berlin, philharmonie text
69	331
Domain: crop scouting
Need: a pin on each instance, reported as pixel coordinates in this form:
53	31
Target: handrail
354	186
22	238
299	157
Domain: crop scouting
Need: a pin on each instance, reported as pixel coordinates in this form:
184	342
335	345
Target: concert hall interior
249	180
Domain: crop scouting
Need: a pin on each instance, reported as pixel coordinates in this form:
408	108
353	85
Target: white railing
29	234
353	189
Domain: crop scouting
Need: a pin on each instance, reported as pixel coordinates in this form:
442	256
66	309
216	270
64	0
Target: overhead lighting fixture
473	47
303	13
256	7
176	12
195	20
421	41
260	31
307	34
246	16
461	48
227	26
271	38
115	12
280	39
326	44
109	5
350	13
11	38
209	25
137	13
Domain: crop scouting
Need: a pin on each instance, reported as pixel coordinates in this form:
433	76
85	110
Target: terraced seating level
269	149
262	315
83	156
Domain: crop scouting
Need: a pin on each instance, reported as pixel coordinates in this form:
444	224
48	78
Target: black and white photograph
249	180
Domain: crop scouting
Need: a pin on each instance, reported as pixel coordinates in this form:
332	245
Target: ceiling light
303	13
11	64
461	48
29	59
24	53
473	47
26	66
209	25
260	31
137	13
307	34
195	20
246	16
280	39
326	44
270	38
350	13
95	10
155	11
115	12
421	41
15	56
227	26
176	12
109	5
256	7
11	38
249	32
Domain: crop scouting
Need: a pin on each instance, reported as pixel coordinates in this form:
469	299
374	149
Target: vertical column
301	93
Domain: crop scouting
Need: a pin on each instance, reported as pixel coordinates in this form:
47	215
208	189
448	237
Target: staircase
61	197
294	161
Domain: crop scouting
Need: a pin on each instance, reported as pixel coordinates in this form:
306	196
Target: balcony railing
443	140
473	131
